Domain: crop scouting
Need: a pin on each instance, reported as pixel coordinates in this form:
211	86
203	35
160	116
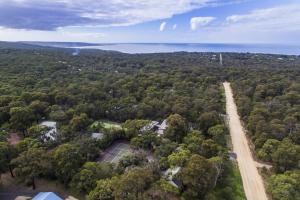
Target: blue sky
169	21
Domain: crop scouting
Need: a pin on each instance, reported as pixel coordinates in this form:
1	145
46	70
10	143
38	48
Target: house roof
50	124
162	127
170	173
150	126
97	135
46	196
51	134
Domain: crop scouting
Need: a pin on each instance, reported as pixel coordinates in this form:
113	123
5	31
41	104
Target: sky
151	21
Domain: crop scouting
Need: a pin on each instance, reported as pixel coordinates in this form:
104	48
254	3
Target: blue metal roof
46	196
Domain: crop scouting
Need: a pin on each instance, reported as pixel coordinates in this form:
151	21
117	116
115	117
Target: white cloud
174	26
51	14
162	26
278	24
280	18
196	22
60	35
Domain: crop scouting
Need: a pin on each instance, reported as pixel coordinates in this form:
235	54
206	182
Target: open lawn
106	125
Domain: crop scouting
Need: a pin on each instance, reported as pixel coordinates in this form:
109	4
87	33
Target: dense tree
197	177
103	191
67	161
266	152
86	179
146	141
38	108
207	120
30	164
133	184
165	147
4	157
21	118
133	127
162	190
193	141
27	144
218	134
88	148
179	158
285	186
119	87
80	122
286	156
177	128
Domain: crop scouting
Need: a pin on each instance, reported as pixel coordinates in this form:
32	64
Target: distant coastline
139	48
133	48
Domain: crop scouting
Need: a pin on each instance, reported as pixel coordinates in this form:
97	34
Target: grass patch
108	125
231	185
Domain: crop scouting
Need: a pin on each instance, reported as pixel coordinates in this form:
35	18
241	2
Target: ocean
133	48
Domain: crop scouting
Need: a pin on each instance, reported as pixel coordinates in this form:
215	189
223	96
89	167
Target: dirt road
252	181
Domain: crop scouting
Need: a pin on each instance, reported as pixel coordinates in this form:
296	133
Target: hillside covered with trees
38	84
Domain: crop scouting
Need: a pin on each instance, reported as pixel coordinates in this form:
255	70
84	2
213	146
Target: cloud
279	18
51	14
162	26
174	26
196	22
60	35
277	24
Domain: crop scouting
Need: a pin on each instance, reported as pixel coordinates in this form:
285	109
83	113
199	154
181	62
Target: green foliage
80	123
3	135
177	128
37	131
198	176
165	147
86	179
207	120
145	141
266	152
27	144
133	184
30	164
286	156
4	157
179	158
218	134
21	118
67	161
162	190
103	191
101	86
229	185
285	186
87	148
196	144
135	159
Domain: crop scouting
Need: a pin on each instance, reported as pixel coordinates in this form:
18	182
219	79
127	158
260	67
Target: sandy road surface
252	181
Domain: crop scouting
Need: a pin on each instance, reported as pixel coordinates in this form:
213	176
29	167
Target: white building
97	136
162	127
152	125
170	173
51	134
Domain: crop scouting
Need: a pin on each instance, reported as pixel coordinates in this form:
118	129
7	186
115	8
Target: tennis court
116	151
